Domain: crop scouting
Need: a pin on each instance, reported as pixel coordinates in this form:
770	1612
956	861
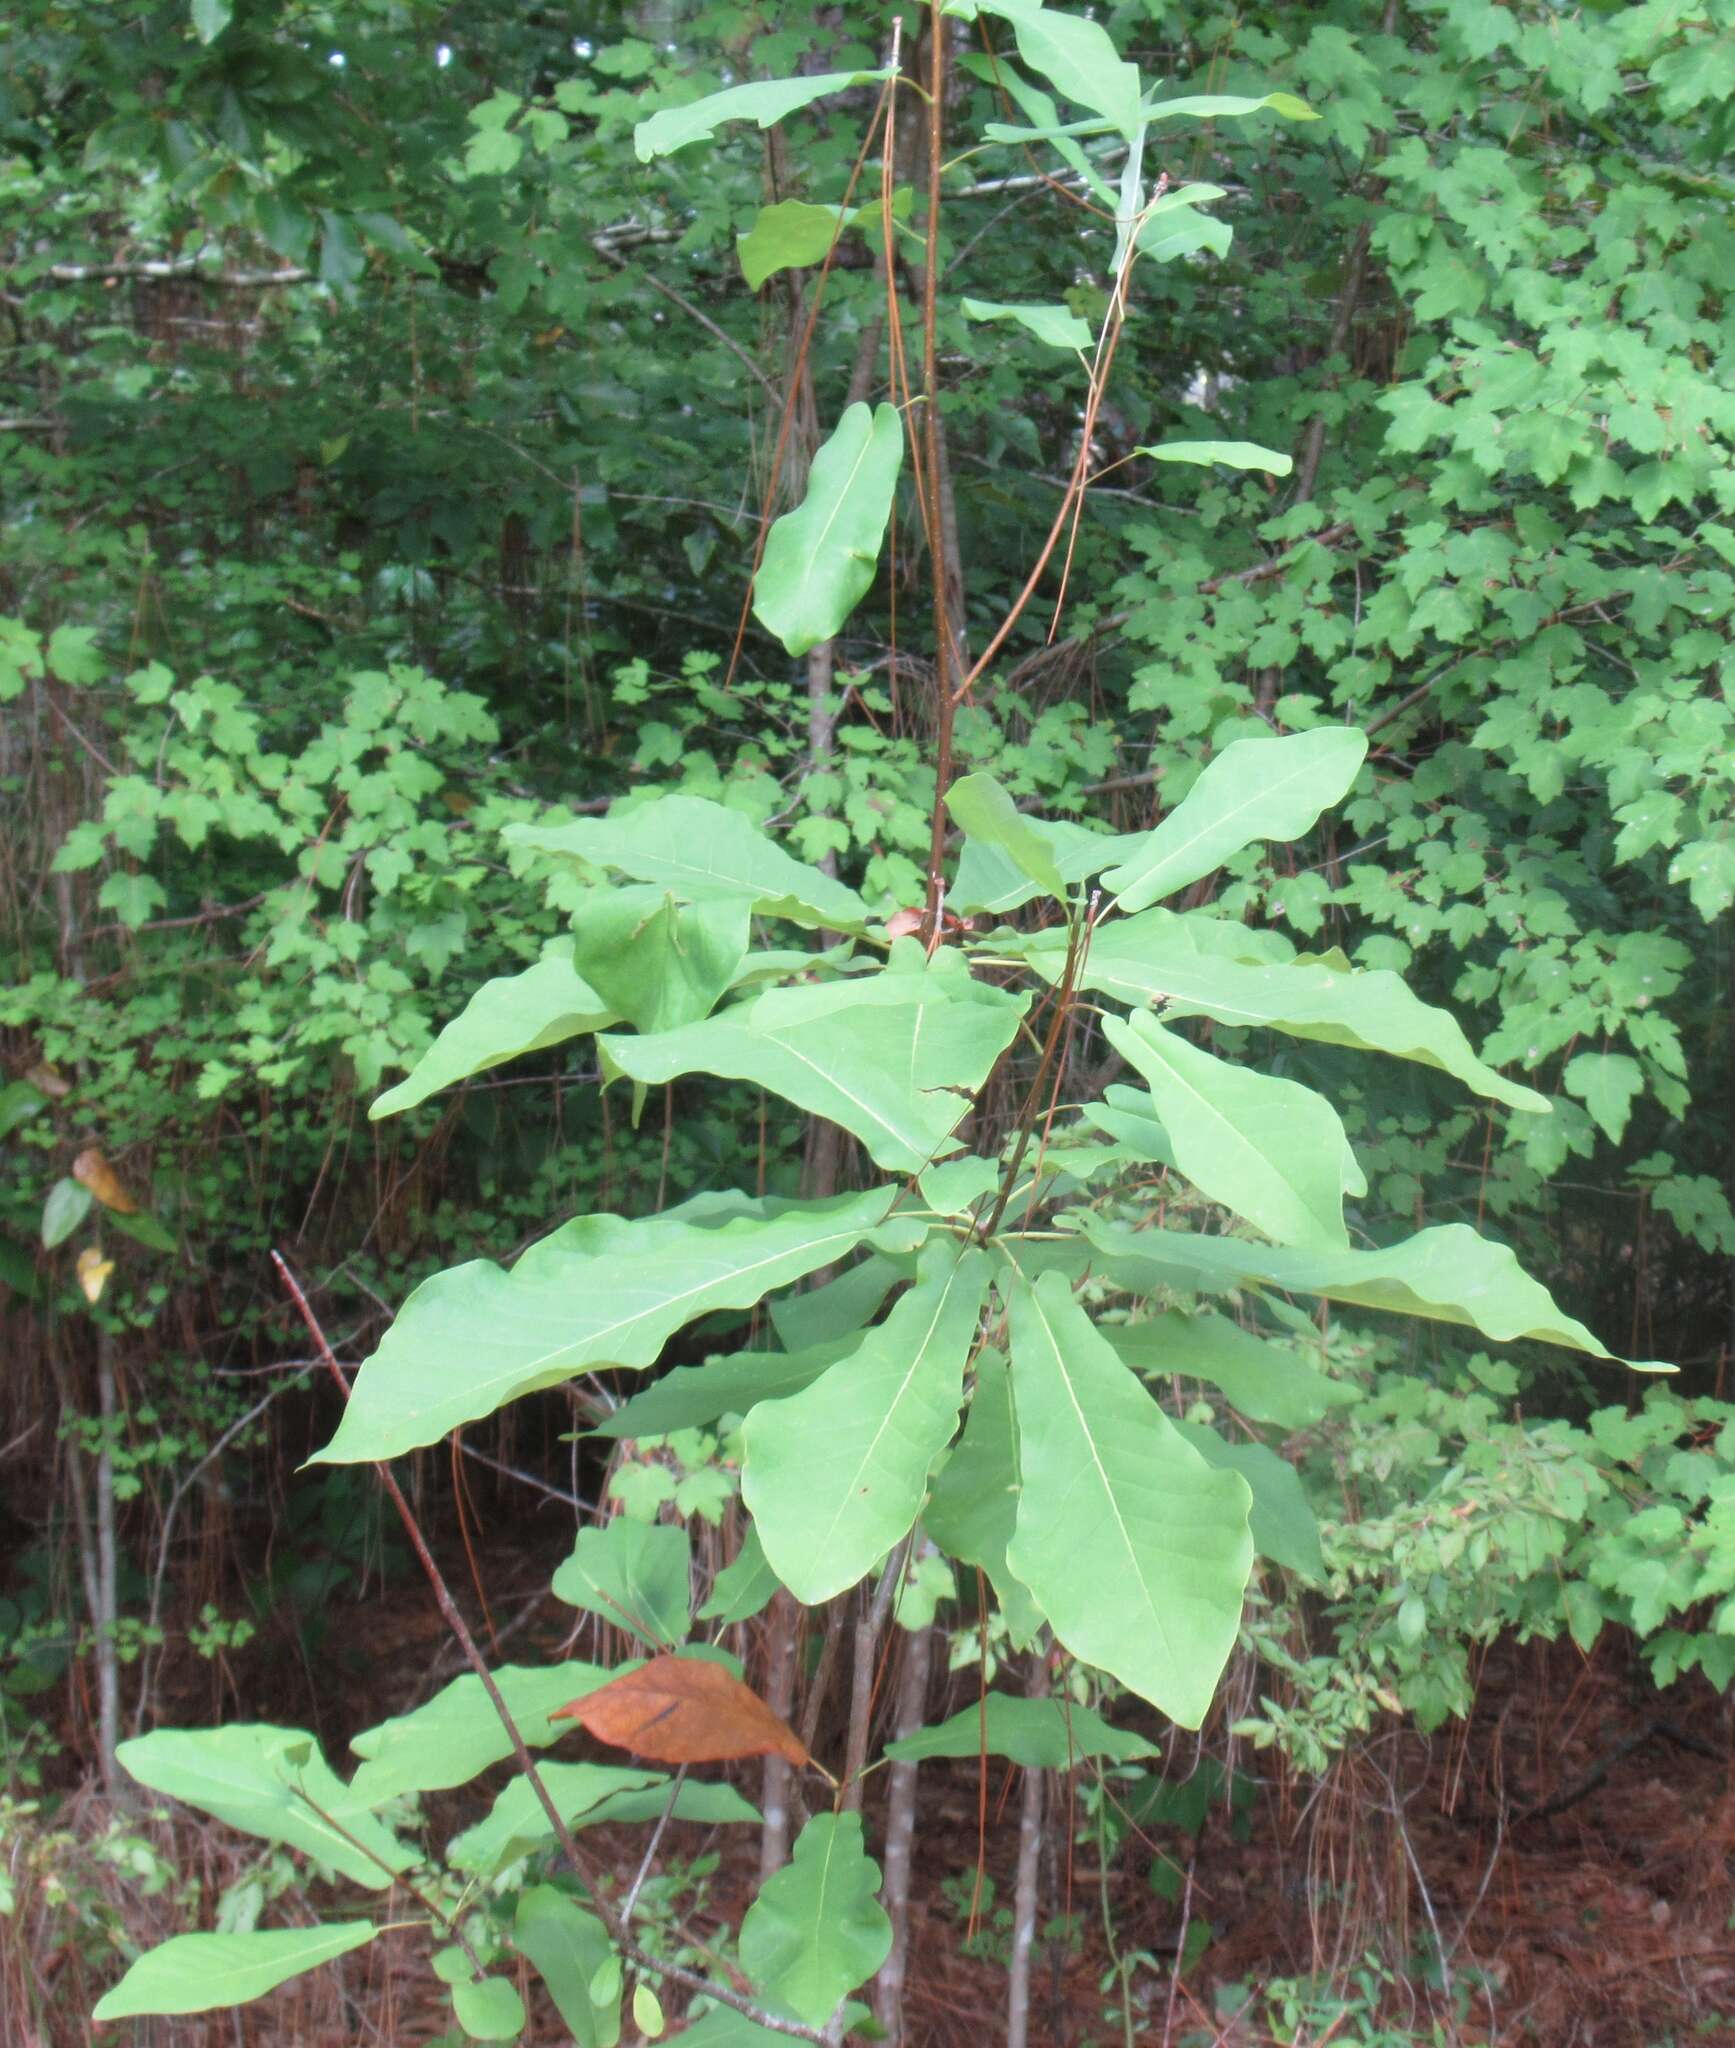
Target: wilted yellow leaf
93	1271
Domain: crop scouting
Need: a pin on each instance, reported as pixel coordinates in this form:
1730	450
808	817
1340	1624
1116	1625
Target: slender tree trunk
1025	1894
774	1781
888	1996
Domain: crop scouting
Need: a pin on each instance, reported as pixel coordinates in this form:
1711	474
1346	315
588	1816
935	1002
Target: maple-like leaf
684	1710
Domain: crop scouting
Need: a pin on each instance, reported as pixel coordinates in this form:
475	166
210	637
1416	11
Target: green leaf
1281	1522
1212	106
1257	1379
143	1229
988	879
954	1188
448	1739
816	1930
271	1782
701	849
636	1575
1159	957
839	1311
211	18
660	963
567	1947
1041	1735
1231	454
1057	326
883	1057
1271	1150
489	2009
200	1972
767	101
974	1505
1608	1084
741	1589
984	812
834	1476
1078	58
516	1823
598	1291
1254	789
693	1395
647	2011
67	1205
506	1017
1447	1275
787	236
19	1102
1134	1548
820	559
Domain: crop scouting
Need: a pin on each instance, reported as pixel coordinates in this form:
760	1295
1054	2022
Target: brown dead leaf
93	1271
43	1078
90	1169
683	1710
902	923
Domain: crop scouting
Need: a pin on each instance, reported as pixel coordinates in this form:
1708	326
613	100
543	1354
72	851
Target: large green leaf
1135	1549
1254	789
516	1823
1042	1735
1057	326
636	1575
816	1930
657	961
843	1306
884	1056
199	1972
271	1782
693	1395
1257	1379
834	1476
1230	454
1280	1520
1159	957
974	1505
1076	55
1271	1150
1446	1274
820	559
701	849
765	100
599	1291
512	1014
457	1733
567	1946
983	810
988	878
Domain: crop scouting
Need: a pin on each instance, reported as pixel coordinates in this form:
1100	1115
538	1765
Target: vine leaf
1136	1550
821	558
685	1710
199	1972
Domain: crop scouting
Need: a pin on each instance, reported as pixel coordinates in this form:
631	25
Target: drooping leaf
1135	1549
1057	326
1446	1274
1254	789
1041	112
1271	1150
693	1395
974	1504
1281	1522
448	1739
567	1946
1159	957
1258	1380
820	559
659	962
1077	56
834	1476
883	1057
599	1291
201	1972
743	1588
1129	1116
1042	1735
1211	106
91	1169
683	1710
816	1929
489	2009
983	810
271	1782
93	1272
636	1575
506	1017
765	100
701	849
1231	454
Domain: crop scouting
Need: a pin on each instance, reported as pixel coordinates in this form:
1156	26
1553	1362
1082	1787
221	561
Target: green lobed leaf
1608	1084
636	1575
1057	326
1253	789
1281	1522
1041	1735
816	1929
1446	1274
765	100
567	1947
598	1291
883	1056
821	558
1257	1379
1271	1150
506	1017
1231	454
448	1739
274	1783
1135	1549
835	1475
201	1972
974	1504
701	850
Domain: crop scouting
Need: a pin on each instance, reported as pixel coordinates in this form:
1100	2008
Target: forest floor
1570	1850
